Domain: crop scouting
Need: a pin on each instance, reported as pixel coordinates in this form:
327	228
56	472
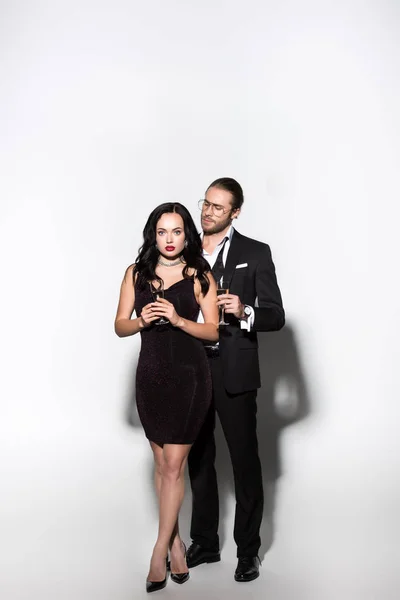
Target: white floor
206	582
80	525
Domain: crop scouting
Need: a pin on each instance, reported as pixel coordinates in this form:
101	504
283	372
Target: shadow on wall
283	400
131	417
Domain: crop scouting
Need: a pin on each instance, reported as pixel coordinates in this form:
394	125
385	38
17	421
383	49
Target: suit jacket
256	280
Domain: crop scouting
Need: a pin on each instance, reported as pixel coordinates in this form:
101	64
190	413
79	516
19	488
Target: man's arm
269	315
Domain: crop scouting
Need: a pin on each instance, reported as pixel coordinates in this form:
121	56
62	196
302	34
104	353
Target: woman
173	383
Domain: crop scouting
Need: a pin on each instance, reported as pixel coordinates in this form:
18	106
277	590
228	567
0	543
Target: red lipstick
169	248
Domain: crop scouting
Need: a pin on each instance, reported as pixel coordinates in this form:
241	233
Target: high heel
181	577
154	586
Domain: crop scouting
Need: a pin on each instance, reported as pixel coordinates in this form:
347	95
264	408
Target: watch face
247	310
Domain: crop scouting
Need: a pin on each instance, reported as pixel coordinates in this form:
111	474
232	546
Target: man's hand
232	304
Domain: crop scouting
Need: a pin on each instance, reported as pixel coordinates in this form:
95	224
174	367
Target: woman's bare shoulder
130	275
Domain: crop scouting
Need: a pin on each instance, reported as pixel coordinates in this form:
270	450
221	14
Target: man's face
217	212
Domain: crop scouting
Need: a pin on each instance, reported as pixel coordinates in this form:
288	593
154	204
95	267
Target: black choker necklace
169	264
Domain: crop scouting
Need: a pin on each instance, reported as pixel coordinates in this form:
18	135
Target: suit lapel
233	258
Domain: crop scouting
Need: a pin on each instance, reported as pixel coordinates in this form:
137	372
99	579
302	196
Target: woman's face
170	235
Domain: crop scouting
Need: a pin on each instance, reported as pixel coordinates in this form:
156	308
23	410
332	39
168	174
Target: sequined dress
173	381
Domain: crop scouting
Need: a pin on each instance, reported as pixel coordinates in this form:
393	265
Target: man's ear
236	213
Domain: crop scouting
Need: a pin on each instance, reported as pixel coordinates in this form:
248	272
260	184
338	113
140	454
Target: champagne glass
223	288
158	292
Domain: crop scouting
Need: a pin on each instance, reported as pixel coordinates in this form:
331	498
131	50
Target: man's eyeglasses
217	209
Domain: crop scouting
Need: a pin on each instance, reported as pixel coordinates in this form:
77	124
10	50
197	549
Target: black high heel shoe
154	586
180	577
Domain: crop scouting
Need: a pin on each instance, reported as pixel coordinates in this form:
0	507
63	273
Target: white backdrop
110	108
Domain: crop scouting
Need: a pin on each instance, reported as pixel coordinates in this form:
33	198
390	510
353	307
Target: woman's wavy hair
146	262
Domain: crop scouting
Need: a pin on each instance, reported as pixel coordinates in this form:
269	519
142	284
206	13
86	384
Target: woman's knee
175	458
173	468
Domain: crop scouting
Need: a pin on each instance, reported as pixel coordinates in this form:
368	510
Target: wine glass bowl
158	292
222	288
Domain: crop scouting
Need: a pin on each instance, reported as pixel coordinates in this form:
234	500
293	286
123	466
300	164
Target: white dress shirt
211	258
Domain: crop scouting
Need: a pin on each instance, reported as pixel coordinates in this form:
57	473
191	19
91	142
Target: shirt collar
227	236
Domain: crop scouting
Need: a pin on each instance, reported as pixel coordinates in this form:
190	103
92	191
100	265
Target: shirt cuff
249	322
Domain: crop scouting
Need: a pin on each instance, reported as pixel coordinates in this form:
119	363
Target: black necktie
218	268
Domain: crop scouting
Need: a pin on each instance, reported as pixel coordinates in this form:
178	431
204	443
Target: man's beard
218	227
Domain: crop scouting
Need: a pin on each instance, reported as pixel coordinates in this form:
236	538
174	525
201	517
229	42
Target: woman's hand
163	308
147	316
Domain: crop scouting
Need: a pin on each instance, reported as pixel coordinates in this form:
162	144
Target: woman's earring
186	244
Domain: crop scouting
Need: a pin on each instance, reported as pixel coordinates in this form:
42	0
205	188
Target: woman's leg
175	540
169	477
158	465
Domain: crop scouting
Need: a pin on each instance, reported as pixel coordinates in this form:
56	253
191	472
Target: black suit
236	378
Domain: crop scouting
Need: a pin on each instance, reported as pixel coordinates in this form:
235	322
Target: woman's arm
123	324
208	306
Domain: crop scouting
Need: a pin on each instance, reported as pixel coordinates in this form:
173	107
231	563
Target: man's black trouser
237	414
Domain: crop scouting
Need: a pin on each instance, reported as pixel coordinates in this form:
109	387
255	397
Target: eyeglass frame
213	206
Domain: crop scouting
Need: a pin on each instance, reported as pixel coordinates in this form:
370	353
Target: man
253	304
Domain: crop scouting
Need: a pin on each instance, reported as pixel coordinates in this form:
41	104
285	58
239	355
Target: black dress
173	381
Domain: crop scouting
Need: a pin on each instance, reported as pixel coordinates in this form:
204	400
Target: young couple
191	368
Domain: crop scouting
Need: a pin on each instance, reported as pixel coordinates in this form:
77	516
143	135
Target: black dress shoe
197	555
247	568
180	577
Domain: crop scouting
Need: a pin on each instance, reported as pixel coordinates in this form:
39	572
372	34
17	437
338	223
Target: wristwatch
247	312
